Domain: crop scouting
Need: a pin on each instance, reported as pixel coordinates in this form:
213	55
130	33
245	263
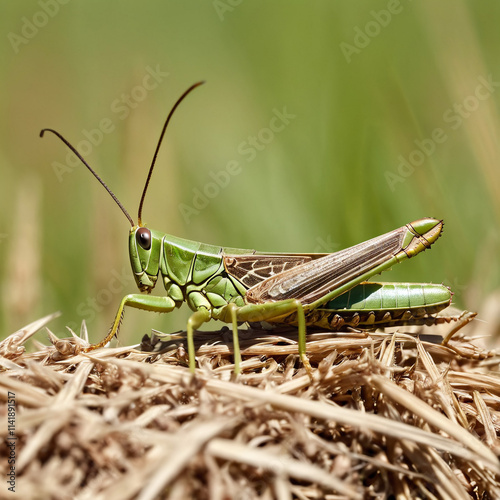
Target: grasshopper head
145	252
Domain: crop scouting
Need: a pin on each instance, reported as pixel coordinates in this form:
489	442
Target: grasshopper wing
251	269
323	279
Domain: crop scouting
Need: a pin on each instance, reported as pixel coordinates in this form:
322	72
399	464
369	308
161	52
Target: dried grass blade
363	421
26	394
446	395
193	439
434	418
236	452
485	418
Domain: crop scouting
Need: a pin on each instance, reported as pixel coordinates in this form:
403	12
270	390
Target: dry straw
385	415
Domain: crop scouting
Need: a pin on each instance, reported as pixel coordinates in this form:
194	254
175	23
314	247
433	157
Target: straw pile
386	415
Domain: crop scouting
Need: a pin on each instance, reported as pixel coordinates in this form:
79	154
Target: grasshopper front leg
161	305
145	302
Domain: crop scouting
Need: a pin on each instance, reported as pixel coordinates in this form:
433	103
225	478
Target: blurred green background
383	112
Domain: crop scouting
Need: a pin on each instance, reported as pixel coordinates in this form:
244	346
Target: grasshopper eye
143	237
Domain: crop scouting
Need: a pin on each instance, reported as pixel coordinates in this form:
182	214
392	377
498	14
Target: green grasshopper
235	285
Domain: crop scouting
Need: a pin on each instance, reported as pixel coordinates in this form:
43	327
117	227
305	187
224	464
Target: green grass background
320	184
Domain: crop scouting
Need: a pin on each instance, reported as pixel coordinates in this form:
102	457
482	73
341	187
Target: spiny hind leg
266	312
144	302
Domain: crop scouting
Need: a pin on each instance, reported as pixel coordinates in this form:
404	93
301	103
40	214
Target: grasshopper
236	286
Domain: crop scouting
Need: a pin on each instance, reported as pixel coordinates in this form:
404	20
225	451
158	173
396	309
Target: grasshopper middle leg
264	312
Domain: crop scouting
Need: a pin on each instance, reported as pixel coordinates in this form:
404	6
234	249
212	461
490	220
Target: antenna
158	147
91	169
